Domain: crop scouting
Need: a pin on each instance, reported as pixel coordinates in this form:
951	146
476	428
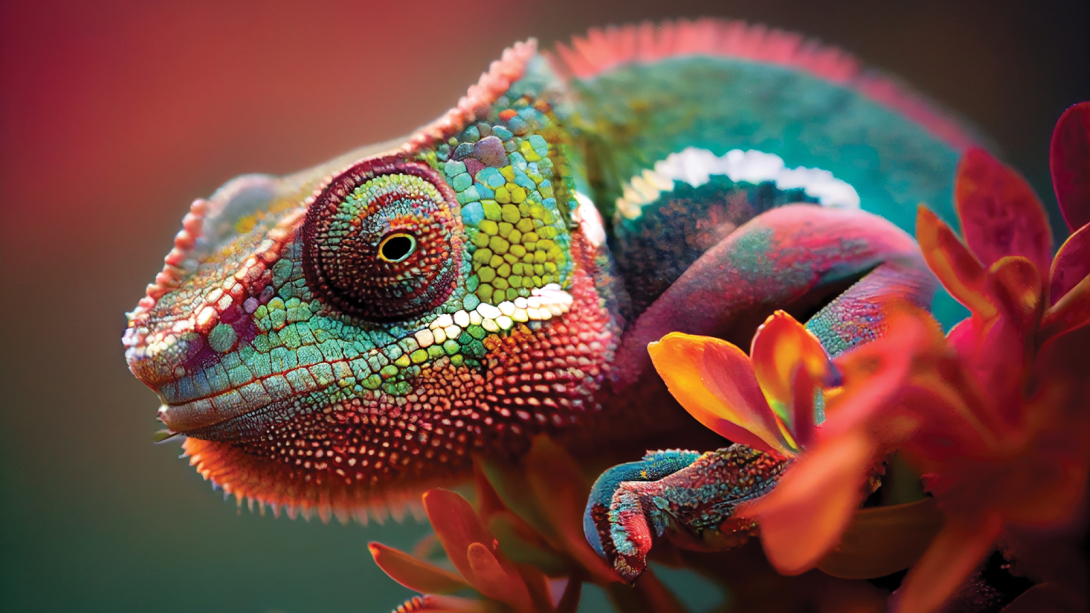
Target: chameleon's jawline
278	487
197	419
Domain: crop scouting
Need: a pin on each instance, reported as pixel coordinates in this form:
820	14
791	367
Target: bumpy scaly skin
686	496
342	338
309	370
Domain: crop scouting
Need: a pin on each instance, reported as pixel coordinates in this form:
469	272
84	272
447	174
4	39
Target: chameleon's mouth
188	417
226	418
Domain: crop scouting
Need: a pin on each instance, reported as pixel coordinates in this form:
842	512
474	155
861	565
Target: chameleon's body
346	336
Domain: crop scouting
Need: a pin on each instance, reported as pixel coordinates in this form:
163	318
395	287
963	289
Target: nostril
161	357
147	370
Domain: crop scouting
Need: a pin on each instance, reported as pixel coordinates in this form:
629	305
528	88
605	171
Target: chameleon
338	340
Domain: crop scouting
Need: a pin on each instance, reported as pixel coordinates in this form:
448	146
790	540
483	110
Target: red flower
996	414
527	523
473	551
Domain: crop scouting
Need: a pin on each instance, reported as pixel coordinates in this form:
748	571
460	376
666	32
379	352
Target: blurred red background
114	115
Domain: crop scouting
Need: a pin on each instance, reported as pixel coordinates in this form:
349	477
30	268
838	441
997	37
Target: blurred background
115	114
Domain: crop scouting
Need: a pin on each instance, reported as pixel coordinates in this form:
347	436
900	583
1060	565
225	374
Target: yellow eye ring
396	247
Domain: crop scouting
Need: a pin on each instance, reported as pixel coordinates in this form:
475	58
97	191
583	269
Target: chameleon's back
660	108
456	292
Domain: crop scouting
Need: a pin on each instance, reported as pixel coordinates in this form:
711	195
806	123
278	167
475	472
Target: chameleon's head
335	338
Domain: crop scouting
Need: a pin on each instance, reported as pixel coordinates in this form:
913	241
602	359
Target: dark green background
114	115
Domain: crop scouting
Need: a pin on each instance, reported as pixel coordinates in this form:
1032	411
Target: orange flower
995	414
768	401
765	401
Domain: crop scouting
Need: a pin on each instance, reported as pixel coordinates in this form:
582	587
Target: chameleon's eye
383	241
396	247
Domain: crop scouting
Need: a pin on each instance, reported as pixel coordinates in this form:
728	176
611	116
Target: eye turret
383	242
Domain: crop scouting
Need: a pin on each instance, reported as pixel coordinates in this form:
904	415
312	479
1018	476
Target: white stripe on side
696	167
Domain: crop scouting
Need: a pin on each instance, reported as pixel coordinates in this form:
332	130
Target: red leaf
1072	311
413	573
956	267
488	500
562	493
492	579
1014	285
1071	265
804	516
960	546
1069	157
874	374
457	526
999	213
537	583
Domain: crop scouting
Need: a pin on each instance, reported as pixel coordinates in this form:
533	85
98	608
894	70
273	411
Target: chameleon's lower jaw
205	403
226	423
190	417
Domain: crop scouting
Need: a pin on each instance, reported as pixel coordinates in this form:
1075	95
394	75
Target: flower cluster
519	548
996	415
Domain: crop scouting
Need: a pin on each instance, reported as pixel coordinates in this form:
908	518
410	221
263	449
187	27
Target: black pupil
397	247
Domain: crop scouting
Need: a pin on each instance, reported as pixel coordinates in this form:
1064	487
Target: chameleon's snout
188	338
170	364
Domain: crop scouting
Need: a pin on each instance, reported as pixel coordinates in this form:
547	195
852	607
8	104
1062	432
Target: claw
687	497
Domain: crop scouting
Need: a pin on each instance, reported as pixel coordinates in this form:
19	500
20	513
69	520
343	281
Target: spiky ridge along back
605	48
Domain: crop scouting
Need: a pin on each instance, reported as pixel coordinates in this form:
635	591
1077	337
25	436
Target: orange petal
1071	264
1069	157
956	267
965	337
874	375
781	347
458	526
1014	285
960	546
804	387
494	581
561	492
714	381
999	213
883	540
804	516
413	573
1072	311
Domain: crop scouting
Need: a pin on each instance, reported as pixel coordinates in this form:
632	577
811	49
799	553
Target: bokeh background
115	114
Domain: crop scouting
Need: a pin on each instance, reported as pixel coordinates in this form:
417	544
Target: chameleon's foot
684	496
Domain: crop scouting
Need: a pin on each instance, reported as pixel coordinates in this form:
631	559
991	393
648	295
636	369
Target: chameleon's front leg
784	259
685	496
688	497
